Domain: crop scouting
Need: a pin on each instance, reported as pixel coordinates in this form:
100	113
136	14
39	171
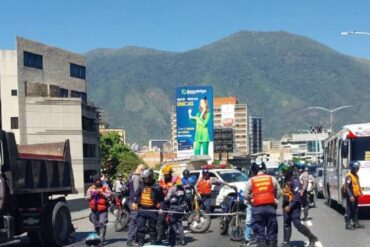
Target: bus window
360	146
344	153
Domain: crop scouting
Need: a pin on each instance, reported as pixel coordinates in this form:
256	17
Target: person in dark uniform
352	191
292	206
150	197
263	192
176	199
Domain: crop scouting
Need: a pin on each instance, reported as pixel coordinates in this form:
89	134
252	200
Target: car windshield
232	177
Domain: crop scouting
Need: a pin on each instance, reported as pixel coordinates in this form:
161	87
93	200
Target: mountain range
277	74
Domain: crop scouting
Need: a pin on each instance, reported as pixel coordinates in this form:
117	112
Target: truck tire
58	228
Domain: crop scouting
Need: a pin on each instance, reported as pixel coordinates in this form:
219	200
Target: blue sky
180	25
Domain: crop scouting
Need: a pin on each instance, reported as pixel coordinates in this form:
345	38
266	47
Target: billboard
194	115
227	115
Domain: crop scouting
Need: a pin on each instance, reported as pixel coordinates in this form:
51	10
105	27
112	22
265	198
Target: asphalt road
325	222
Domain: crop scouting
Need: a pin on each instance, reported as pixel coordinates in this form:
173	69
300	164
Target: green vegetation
277	74
117	157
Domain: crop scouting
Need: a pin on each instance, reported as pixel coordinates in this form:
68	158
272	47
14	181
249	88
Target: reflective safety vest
205	187
287	193
147	198
166	186
356	188
98	202
263	190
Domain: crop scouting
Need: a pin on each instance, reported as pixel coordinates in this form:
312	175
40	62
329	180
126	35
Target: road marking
317	244
186	231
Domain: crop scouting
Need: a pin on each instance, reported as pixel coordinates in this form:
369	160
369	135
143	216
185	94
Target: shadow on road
297	243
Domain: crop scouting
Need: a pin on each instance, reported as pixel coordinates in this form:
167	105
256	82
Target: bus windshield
359	147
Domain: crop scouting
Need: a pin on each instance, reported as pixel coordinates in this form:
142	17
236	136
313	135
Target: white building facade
43	93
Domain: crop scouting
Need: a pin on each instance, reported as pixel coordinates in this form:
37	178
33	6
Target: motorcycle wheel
223	225
236	229
122	219
199	224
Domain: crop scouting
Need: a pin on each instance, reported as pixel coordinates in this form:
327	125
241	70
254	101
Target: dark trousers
132	226
161	225
351	208
175	225
142	218
305	204
294	216
265	226
206	203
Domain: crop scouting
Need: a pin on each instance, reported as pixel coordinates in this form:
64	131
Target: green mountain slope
277	74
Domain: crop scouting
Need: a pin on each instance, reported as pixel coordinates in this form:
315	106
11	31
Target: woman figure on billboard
201	120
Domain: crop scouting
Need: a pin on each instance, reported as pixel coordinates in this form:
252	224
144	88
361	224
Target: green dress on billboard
201	134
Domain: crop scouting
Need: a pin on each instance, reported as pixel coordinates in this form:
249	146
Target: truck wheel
61	225
57	225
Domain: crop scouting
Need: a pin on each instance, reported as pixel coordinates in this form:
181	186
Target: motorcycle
122	215
197	221
233	224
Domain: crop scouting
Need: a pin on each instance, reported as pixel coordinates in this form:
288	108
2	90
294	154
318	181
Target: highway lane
325	222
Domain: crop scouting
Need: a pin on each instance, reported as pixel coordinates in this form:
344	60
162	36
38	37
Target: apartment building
43	93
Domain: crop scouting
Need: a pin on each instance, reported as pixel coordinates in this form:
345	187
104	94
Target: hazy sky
180	25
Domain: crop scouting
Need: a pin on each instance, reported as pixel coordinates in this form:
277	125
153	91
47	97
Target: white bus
351	143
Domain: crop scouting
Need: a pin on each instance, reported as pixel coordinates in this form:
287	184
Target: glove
134	207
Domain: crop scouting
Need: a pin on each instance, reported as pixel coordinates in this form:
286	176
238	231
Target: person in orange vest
352	191
98	195
169	180
204	188
263	192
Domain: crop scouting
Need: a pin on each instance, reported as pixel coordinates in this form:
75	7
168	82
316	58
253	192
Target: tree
117	157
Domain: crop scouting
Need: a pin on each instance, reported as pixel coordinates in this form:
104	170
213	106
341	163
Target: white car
230	176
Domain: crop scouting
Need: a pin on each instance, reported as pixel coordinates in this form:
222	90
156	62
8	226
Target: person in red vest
204	188
263	192
98	195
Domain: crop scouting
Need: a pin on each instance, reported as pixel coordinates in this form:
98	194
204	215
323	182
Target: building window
89	175
32	60
63	93
89	150
77	71
76	94
14	92
89	124
14	123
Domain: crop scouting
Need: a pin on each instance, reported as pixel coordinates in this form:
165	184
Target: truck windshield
232	177
360	146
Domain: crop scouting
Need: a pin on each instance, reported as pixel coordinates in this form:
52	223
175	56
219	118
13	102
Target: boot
182	241
273	243
287	235
97	230
357	223
141	238
153	238
305	213
244	243
103	232
348	223
307	233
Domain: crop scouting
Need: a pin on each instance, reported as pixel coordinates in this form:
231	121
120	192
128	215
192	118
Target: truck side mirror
344	149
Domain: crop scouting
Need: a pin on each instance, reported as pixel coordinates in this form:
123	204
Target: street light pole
331	110
354	32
